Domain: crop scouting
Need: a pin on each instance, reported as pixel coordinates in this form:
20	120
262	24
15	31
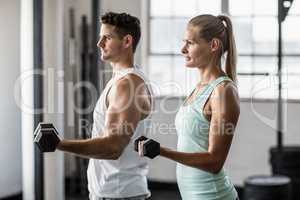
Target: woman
206	121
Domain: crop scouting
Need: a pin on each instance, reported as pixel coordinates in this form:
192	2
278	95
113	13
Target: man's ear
127	41
215	44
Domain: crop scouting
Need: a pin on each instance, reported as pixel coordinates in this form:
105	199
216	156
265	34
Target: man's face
110	44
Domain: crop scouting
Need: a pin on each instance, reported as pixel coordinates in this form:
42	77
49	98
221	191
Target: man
121	115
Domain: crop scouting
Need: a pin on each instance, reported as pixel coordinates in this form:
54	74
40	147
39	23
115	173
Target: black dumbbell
151	148
46	137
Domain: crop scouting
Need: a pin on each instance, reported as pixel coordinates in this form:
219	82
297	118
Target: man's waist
115	189
139	197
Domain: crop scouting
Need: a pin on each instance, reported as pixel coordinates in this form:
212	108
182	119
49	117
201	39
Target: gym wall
10	115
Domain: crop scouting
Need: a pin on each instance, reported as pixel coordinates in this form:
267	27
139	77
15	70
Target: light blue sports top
192	129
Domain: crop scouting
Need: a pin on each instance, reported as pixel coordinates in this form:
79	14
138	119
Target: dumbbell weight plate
46	137
151	148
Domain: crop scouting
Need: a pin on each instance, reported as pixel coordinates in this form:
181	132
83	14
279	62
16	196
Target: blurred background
50	71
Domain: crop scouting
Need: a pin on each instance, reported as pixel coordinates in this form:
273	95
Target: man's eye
103	38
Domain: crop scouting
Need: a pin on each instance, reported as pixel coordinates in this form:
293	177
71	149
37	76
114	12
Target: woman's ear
127	41
215	44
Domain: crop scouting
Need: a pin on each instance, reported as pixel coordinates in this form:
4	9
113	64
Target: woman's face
196	50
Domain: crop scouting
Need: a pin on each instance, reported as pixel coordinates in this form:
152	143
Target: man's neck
125	63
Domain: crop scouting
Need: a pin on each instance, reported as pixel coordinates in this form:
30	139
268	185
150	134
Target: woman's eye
187	42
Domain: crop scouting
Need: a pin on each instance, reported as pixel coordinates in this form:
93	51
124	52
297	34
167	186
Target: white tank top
126	176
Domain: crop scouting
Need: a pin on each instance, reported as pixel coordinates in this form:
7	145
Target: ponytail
231	58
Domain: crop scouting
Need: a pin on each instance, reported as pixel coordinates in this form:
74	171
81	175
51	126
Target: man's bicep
122	112
118	128
123	122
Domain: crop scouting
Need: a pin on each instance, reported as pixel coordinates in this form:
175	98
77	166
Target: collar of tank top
120	72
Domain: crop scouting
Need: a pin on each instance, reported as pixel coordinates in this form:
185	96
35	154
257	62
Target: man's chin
105	58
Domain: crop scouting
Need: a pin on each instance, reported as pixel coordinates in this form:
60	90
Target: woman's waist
191	145
190	173
199	180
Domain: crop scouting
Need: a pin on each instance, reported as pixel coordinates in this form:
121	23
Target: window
256	32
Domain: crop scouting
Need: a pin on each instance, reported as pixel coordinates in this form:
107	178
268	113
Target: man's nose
100	43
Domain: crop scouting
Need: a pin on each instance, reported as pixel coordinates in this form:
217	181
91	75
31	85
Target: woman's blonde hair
219	27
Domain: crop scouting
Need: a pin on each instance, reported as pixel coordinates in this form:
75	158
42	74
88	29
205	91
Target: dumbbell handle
136	142
151	148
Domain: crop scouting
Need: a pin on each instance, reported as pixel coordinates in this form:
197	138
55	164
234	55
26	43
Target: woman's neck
209	74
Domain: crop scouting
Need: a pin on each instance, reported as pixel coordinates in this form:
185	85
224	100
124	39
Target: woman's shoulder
225	84
226	100
226	89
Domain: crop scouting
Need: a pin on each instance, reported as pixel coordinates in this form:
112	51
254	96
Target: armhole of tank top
209	93
106	103
149	91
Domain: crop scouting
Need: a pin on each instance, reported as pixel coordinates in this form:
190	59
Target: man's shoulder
127	85
131	79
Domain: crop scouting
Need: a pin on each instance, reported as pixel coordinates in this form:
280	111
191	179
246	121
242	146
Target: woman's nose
183	50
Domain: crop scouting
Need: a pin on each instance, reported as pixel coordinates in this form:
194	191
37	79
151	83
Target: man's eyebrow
108	34
188	40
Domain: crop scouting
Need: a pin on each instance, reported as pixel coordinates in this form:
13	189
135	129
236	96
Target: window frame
146	51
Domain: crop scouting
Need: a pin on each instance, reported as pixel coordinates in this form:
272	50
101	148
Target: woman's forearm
202	160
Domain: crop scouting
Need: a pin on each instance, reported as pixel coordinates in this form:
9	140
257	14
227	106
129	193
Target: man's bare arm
122	117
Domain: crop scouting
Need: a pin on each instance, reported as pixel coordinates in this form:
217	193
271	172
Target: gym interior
50	64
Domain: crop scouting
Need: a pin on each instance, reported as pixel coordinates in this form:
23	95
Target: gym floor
157	194
159	191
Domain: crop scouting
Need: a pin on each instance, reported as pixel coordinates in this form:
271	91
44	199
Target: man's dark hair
125	25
